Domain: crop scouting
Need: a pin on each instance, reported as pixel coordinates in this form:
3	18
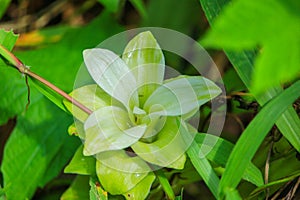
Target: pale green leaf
91	96
118	172
253	135
111	73
130	164
78	190
109	128
181	95
146	61
142	189
80	164
155	122
168	150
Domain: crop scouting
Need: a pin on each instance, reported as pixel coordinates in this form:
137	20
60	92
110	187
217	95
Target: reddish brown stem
59	91
25	70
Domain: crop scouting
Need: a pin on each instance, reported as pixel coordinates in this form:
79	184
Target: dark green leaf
8	39
78	190
204	168
111	5
243	62
186	13
140	7
245	24
219	151
4	4
80	164
33	147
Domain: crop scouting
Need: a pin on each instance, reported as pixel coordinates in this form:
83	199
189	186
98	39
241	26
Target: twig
25	70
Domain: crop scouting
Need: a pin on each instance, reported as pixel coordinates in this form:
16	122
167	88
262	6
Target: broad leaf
146	61
91	96
181	95
142	189
118	179
243	62
245	24
35	154
7	39
111	73
80	164
109	128
168	150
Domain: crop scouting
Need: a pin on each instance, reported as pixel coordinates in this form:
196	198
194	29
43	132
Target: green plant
128	118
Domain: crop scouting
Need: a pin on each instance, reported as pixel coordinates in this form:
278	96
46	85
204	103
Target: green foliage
253	136
78	190
111	5
204	168
39	153
7	39
40	141
243	62
273	25
80	164
140	7
219	151
261	40
4	4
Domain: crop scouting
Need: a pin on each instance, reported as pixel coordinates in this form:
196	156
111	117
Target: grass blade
253	136
204	168
165	184
219	152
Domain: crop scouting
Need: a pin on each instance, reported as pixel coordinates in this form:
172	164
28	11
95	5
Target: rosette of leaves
136	115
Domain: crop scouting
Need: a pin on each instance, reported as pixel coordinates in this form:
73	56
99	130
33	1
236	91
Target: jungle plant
130	131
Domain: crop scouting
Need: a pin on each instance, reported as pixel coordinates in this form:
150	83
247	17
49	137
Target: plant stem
25	70
165	184
59	91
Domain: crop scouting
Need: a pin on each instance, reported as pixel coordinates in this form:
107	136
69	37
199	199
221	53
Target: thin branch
25	70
